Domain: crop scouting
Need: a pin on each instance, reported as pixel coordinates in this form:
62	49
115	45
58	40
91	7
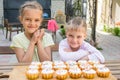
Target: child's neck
29	36
74	49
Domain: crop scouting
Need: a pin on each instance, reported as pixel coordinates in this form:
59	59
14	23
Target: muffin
33	67
47	73
61	74
47	63
36	64
46	66
62	66
103	72
85	66
58	63
32	74
89	74
92	62
98	66
75	73
71	63
81	62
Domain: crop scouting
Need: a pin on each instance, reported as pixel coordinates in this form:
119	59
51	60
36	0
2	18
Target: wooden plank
21	71
115	72
112	64
6	50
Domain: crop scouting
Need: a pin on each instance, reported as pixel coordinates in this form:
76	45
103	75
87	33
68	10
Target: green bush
116	31
107	28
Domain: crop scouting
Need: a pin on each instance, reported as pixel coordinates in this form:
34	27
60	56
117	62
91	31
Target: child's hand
42	32
35	36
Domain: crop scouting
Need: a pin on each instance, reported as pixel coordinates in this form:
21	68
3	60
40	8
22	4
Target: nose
32	22
74	39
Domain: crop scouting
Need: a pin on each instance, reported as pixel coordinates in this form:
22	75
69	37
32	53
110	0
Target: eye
37	20
79	36
27	19
70	35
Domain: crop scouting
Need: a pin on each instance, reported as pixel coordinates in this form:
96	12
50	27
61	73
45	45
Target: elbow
102	60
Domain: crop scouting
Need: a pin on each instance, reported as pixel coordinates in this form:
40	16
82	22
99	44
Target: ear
85	35
20	19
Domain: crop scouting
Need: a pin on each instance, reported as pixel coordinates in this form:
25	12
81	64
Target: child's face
31	20
75	38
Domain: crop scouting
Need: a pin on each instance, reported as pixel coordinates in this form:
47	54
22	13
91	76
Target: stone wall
57	5
1	11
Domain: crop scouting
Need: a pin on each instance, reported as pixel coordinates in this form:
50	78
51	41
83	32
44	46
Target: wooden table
6	50
114	66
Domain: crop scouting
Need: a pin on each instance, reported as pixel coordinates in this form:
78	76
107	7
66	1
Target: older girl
33	44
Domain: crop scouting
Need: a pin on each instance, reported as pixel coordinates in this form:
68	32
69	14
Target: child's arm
44	53
25	56
66	54
94	53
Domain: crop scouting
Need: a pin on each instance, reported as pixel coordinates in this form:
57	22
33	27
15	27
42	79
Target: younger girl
33	44
74	47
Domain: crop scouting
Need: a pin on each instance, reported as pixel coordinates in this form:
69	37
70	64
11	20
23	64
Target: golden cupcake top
61	71
47	71
89	71
74	70
32	71
104	69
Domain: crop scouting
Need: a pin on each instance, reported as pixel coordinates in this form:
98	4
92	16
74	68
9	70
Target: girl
74	47
33	44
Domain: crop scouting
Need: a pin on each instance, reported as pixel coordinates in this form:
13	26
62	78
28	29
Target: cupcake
47	73
36	64
58	63
81	62
73	66
61	74
47	63
75	73
103	72
33	67
85	66
32	74
71	63
46	66
89	74
92	62
98	66
63	66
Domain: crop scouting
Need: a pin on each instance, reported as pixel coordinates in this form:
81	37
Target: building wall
116	11
57	5
1	11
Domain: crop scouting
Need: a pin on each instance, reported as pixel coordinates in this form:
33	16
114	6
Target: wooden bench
6	50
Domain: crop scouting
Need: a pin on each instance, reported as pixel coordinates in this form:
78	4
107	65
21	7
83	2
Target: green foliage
116	31
107	28
62	31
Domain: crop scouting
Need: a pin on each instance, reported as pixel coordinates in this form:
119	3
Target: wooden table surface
5	69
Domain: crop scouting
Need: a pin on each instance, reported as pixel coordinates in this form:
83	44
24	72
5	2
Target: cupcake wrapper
103	74
75	76
47	76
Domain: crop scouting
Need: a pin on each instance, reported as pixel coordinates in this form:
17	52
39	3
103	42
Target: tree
92	16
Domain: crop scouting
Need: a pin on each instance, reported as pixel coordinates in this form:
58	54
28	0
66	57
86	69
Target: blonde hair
76	24
30	4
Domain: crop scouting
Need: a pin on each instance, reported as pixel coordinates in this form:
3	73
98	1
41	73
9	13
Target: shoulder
47	35
20	35
63	42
